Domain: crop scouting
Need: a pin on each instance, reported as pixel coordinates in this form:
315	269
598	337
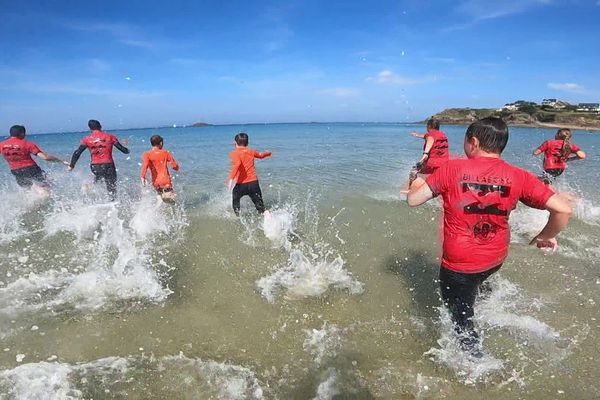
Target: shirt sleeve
113	139
33	149
438	181
262	155
145	163
574	148
543	146
83	142
236	162
172	161
535	193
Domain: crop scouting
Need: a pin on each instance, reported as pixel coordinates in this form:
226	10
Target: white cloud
340	92
566	87
387	77
130	35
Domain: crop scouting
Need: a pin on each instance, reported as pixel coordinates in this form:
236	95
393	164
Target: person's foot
266	214
471	345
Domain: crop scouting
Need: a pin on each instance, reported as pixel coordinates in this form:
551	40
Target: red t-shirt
100	145
553	156
242	164
438	155
479	194
17	152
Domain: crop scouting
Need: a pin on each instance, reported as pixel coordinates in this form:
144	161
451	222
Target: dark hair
17	131
433	123
155	140
564	134
94	125
241	139
492	134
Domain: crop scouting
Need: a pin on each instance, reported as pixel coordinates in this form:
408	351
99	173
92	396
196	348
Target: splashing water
303	277
323	343
277	224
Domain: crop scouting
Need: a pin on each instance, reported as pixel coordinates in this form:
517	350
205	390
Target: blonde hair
564	134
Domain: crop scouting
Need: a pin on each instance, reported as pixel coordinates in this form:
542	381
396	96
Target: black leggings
251	189
108	173
458	293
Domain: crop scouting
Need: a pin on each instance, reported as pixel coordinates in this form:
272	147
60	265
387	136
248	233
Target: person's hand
415	134
545	243
69	168
143	180
229	185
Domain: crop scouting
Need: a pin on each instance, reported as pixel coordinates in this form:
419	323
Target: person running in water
17	152
557	153
243	174
479	194
100	145
156	159
435	150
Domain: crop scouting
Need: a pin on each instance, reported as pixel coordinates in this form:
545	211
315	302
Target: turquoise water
335	296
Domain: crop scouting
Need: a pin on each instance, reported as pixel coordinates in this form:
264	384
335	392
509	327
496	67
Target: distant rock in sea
200	124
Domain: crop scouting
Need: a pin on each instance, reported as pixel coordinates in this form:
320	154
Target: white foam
323	343
14	205
328	388
303	277
277	224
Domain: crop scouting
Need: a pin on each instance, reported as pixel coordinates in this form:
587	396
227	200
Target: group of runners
478	192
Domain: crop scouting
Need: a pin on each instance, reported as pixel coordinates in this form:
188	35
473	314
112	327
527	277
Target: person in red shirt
100	145
243	174
435	150
557	153
479	194
157	159
17	152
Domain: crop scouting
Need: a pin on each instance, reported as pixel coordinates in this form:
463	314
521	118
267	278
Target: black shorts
550	174
27	176
160	190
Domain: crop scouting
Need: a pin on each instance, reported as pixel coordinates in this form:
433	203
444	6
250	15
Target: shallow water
334	296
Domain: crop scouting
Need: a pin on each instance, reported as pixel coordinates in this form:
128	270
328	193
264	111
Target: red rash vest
242	164
553	157
438	155
100	145
17	152
479	194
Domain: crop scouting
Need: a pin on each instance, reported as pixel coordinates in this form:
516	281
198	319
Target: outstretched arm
264	154
537	152
121	148
428	146
417	135
76	155
173	163
50	157
145	164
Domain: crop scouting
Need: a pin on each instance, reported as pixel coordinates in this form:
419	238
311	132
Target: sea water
334	295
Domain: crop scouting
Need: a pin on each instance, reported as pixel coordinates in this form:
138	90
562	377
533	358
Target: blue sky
149	63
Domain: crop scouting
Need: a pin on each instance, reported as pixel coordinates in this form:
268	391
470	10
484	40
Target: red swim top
438	155
242	164
157	159
17	152
479	194
100	145
553	156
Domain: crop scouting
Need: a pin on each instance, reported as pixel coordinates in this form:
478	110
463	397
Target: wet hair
491	132
564	134
17	131
433	123
241	139
156	140
94	125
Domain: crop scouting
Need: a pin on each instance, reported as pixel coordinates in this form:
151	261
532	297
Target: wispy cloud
127	34
567	87
340	92
388	77
489	9
84	88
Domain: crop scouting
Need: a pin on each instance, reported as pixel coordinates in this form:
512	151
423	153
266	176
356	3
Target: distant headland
551	113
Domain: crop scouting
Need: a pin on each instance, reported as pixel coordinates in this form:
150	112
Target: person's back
157	160
17	152
479	194
438	154
100	144
554	156
244	157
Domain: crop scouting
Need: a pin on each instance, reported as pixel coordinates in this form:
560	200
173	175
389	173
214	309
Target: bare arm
418	193
50	157
264	154
560	212
417	135
537	152
428	146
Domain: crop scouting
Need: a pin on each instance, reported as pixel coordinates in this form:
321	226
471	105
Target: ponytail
565	135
